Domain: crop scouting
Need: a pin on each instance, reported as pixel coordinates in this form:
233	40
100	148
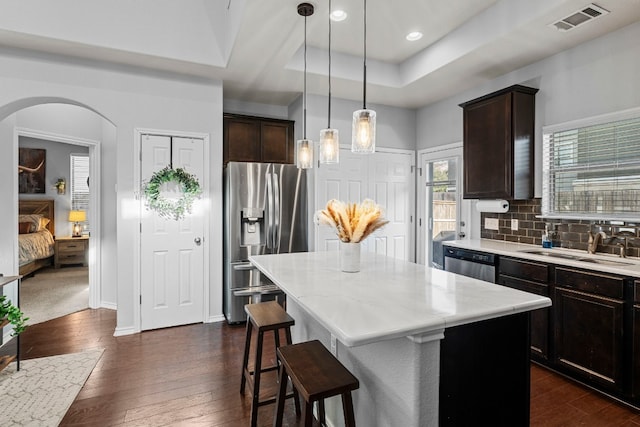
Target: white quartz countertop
388	298
601	262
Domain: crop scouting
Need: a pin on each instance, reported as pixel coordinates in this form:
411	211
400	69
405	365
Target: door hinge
140	228
140	299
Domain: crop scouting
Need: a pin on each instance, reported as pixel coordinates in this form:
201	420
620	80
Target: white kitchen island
429	347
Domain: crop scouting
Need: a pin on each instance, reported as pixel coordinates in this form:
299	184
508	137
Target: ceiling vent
586	14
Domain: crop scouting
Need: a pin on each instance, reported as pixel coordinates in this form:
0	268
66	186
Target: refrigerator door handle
276	213
269	238
244	267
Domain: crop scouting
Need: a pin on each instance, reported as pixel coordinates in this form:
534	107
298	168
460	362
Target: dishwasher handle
467	255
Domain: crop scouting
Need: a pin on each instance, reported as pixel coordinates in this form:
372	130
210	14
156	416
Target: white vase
350	257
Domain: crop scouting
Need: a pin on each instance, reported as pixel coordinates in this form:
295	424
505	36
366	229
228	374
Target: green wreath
167	208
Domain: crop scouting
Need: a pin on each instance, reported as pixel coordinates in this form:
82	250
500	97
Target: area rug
53	293
43	390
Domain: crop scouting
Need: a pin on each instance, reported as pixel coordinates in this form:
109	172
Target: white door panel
392	187
172	263
385	177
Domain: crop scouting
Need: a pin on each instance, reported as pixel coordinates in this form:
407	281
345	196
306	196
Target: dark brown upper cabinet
257	139
498	144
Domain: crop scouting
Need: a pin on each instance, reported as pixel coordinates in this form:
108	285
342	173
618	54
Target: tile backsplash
570	233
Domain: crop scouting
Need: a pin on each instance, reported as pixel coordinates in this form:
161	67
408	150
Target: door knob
197	240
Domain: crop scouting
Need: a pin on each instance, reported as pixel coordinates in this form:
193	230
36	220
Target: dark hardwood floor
190	375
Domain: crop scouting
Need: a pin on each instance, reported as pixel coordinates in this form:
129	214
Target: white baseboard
129	330
213	319
109	305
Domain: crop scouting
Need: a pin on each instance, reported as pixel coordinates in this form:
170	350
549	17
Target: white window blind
80	185
593	171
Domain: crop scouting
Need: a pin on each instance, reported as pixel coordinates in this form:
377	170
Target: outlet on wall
492	223
514	225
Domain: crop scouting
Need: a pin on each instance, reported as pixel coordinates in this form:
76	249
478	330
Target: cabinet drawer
636	291
528	270
66	250
75	257
607	285
524	285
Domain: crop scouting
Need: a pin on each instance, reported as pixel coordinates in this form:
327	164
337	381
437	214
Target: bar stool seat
264	317
316	374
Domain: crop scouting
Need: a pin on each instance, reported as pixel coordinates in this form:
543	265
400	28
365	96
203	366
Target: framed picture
31	170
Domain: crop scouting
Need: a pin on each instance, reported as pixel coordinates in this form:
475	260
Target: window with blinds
80	185
593	171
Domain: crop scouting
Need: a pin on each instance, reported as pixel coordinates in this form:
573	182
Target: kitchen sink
604	261
577	257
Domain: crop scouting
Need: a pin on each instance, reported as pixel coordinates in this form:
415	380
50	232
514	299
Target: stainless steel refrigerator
265	213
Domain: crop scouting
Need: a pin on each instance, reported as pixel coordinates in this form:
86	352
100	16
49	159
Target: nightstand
71	250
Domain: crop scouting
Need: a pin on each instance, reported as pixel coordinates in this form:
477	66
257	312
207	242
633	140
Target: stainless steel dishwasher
478	265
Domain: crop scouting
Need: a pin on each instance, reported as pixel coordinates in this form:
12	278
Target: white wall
129	101
58	165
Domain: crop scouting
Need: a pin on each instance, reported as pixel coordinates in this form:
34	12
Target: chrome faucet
594	241
623	247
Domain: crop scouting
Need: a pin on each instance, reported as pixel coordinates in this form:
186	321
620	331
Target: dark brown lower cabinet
530	277
635	347
485	373
589	338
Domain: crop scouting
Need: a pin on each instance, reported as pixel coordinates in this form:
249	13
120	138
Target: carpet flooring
52	293
43	390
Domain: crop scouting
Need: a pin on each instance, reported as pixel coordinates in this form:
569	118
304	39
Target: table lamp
76	217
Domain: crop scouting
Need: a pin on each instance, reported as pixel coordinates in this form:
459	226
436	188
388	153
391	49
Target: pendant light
363	131
304	146
329	146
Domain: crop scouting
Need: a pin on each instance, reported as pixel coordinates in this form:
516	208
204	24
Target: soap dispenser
546	240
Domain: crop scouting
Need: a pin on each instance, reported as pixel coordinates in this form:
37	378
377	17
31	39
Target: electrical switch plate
492	223
333	345
514	225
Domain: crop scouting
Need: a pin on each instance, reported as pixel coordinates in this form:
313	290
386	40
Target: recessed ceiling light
338	15
414	35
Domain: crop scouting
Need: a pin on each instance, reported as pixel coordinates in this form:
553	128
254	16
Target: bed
36	228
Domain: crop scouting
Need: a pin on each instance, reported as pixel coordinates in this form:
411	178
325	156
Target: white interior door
344	181
172	254
385	177
391	185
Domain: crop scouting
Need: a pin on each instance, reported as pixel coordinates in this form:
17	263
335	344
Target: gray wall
597	77
58	165
255	109
395	127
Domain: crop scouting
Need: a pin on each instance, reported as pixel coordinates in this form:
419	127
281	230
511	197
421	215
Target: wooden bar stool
316	374
264	316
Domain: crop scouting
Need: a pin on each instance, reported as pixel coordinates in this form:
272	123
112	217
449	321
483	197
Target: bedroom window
80	185
591	168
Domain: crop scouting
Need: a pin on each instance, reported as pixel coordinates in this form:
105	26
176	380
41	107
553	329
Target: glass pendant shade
329	146
363	138
304	156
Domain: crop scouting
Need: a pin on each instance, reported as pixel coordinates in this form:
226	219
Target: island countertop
388	298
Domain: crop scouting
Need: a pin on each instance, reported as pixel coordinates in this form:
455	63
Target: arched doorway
56	119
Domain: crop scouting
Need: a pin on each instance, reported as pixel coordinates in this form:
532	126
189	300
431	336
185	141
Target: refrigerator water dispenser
252	227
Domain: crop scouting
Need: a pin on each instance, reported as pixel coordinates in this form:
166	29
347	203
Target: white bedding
34	246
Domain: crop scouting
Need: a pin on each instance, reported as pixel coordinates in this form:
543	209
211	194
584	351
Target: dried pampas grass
353	222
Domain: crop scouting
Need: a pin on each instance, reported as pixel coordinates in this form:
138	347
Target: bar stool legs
267	316
316	374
